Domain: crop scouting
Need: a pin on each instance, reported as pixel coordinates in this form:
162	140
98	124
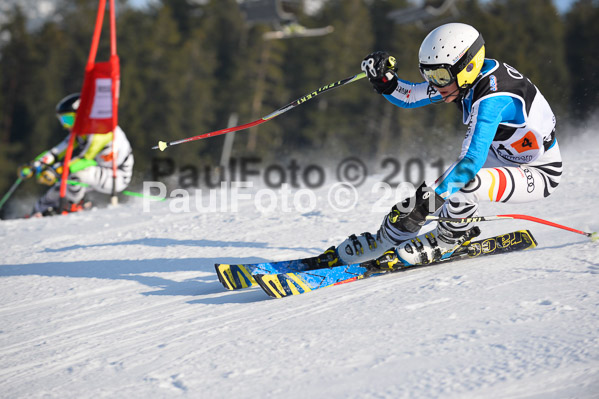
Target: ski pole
593	236
163	144
129	193
10	191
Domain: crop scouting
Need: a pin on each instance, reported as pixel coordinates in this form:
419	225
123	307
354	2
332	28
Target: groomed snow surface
122	303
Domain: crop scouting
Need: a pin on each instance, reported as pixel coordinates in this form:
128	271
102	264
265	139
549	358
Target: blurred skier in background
510	153
90	167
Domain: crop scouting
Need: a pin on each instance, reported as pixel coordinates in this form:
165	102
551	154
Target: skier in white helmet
510	153
90	168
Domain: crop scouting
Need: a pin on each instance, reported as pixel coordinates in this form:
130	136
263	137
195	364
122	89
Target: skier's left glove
381	69
49	176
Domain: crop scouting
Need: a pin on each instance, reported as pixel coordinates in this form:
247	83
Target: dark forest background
185	68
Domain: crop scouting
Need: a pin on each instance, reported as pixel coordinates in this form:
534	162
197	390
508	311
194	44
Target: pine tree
265	71
582	36
336	121
223	22
15	123
532	42
15	72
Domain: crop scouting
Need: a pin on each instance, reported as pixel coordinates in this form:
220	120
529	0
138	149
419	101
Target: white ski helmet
452	52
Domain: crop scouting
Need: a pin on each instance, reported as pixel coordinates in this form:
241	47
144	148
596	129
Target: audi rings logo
530	179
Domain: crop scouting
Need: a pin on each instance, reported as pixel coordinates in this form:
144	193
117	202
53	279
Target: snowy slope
120	302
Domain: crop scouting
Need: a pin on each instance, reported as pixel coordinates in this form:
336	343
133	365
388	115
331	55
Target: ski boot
434	246
327	259
388	261
366	246
72	207
356	249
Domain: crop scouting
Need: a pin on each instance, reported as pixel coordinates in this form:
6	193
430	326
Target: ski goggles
437	75
463	71
67	120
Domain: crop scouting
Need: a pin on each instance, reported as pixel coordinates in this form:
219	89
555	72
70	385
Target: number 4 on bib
526	143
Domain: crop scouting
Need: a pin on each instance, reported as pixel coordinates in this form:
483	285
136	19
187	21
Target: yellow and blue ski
235	277
295	283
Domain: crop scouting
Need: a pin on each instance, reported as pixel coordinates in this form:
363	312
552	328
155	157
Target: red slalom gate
98	108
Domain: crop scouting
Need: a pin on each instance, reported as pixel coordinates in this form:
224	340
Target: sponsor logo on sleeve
493	82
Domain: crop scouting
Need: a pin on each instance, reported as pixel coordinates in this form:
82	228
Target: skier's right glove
25	171
37	166
381	69
28	170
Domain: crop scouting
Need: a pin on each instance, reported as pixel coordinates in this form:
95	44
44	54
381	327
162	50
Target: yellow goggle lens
439	77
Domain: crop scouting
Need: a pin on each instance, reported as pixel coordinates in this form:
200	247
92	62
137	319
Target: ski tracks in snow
123	303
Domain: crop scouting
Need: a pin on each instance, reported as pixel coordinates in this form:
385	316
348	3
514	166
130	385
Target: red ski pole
593	236
162	145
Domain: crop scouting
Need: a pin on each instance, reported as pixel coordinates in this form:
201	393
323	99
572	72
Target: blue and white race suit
510	153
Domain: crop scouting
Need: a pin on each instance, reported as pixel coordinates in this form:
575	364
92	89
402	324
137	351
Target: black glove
381	70
408	219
